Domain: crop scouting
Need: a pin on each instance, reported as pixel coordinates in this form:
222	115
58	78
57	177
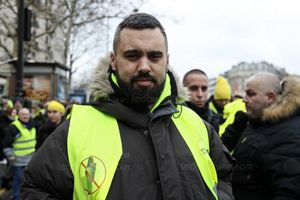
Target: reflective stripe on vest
25	144
95	149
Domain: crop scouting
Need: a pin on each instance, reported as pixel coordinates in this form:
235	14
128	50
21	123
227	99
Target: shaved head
261	92
266	82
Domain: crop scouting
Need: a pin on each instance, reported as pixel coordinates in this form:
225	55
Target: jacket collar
287	103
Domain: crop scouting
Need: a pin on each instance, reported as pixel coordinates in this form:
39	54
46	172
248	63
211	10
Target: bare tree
63	30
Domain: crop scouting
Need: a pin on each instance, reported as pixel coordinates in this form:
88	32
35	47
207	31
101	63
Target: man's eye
250	94
204	89
131	56
193	88
155	55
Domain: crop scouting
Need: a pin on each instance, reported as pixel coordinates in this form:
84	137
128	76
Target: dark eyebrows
132	52
157	53
196	87
138	53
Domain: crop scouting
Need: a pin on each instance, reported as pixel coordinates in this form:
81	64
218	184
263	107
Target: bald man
268	153
19	146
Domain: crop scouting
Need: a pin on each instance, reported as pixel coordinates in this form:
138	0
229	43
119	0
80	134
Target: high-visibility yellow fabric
229	113
25	144
95	149
194	133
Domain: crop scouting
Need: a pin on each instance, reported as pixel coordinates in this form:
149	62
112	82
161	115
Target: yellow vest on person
25	144
95	149
229	112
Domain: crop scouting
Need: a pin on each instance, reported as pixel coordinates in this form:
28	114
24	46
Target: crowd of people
147	135
23	129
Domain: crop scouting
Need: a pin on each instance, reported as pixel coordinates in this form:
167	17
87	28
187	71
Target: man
221	96
134	142
268	153
221	104
19	146
196	82
6	118
55	113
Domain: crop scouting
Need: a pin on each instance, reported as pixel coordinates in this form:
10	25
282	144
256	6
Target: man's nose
199	92
144	64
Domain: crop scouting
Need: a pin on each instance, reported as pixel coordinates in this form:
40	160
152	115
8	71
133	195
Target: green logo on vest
92	173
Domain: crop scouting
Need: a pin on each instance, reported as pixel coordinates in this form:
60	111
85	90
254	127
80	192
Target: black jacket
268	154
206	114
156	163
44	131
5	121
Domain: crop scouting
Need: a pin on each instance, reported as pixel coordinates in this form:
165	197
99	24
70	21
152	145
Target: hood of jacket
287	103
101	87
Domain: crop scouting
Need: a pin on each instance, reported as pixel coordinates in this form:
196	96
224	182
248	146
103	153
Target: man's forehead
142	34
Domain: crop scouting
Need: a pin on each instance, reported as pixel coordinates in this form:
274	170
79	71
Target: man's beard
140	96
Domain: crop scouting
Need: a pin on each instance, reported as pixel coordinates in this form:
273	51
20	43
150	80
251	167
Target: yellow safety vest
95	149
25	144
229	112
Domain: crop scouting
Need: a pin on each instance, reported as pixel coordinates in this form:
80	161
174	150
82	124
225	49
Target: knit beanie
222	89
55	105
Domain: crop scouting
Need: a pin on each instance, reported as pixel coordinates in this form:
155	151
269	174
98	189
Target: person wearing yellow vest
229	112
221	96
19	146
133	141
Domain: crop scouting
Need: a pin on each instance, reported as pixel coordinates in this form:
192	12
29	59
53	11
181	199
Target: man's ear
271	98
167	63
113	61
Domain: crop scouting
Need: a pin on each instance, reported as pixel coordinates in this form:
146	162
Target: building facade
239	73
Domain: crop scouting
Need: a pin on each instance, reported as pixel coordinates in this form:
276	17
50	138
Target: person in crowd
38	114
267	150
19	146
221	104
229	111
6	118
221	96
134	141
18	103
55	113
196	82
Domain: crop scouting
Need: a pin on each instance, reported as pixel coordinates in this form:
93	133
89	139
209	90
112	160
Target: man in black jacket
267	150
196	82
128	143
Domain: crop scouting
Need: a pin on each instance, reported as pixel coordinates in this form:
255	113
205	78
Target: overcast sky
214	35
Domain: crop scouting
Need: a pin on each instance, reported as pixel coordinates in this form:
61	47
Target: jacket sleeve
48	175
223	163
9	137
233	131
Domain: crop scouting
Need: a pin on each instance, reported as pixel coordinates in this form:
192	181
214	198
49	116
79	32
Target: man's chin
200	105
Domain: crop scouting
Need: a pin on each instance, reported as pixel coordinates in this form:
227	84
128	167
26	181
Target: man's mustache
144	76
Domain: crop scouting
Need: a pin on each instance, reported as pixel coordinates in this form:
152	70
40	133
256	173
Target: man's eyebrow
130	51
